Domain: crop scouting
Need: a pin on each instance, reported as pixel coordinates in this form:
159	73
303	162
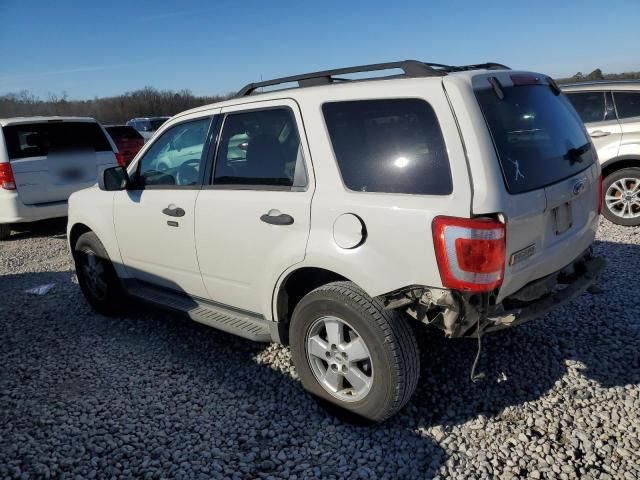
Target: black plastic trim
411	68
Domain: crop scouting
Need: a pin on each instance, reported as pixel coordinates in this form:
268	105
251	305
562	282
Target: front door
154	220
253	221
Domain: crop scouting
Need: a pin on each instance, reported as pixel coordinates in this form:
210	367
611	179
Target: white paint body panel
241	256
155	251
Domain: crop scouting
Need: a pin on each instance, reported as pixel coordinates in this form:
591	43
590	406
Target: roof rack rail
411	68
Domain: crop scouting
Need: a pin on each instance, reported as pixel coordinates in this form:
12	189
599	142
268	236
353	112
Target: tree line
147	102
597	75
150	102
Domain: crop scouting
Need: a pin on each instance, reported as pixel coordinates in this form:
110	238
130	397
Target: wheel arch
293	287
618	163
75	232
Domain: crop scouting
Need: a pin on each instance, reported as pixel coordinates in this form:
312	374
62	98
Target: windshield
538	136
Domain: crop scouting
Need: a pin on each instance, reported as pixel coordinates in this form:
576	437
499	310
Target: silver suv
336	215
147	126
611	113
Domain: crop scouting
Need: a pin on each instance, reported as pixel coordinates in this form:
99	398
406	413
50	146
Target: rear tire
5	231
618	211
350	351
96	276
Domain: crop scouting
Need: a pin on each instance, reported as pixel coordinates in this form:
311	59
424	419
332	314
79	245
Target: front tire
350	351
621	203
96	276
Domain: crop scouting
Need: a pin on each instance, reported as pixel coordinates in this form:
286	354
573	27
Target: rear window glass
38	139
128	133
538	136
390	146
628	104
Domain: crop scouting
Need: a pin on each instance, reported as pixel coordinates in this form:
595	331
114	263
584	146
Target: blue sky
100	48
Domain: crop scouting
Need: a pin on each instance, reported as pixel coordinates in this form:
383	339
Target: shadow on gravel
55	227
153	394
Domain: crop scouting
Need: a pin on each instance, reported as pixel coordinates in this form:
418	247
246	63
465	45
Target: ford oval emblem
578	187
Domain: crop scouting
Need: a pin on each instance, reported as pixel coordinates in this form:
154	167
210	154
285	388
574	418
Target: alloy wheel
339	358
623	198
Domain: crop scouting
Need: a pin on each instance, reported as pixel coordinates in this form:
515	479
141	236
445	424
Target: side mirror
113	179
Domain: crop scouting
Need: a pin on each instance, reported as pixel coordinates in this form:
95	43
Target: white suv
43	160
461	197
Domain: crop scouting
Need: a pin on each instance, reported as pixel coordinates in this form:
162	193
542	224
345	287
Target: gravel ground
153	395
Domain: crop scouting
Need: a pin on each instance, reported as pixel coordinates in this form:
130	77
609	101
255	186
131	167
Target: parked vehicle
43	160
611	113
465	198
128	140
147	126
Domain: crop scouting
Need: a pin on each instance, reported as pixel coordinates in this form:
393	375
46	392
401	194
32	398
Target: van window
38	139
390	146
538	136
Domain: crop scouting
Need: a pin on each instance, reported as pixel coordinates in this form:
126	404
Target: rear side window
128	133
589	105
627	104
538	137
38	139
260	148
389	146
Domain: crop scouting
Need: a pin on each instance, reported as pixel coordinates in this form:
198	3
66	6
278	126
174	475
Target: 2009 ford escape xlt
333	215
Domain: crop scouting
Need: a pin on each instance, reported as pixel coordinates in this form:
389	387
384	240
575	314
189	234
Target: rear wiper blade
575	154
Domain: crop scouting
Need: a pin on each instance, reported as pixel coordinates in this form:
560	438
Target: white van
43	160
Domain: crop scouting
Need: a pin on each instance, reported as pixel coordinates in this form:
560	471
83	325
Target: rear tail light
121	160
7	180
470	253
600	195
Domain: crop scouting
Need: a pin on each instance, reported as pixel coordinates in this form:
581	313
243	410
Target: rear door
597	111
52	160
550	174
628	107
252	222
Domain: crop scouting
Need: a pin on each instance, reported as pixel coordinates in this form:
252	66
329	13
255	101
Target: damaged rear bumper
554	290
465	314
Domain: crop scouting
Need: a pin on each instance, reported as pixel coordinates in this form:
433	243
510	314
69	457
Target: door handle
274	217
599	133
174	211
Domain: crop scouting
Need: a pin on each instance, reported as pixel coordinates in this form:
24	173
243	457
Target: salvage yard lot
154	395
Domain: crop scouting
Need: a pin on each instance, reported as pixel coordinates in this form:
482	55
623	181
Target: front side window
260	148
589	105
627	104
391	146
175	158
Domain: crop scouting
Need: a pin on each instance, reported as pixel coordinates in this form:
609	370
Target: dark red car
128	141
